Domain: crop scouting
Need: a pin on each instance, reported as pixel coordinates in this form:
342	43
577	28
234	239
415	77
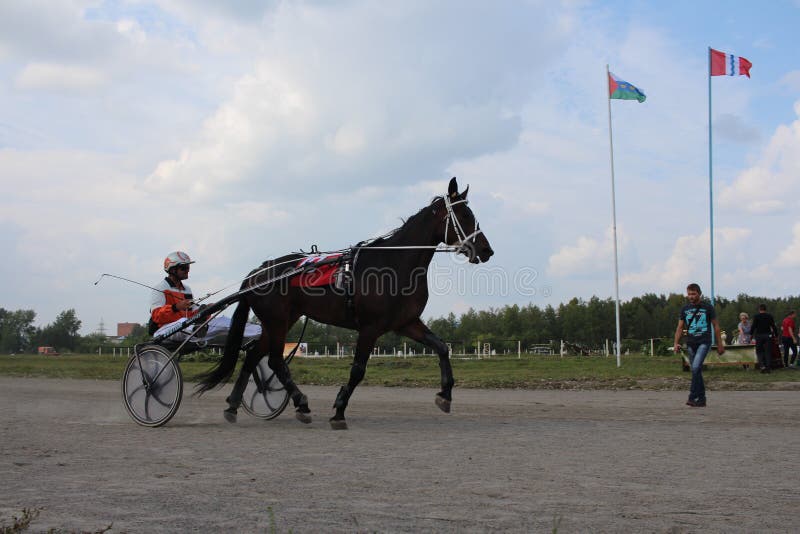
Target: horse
399	260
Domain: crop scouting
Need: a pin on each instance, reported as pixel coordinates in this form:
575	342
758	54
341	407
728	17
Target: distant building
126	329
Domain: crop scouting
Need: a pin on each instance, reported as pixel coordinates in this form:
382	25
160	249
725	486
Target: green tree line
18	333
586	322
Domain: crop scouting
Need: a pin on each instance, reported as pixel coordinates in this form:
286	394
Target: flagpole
613	218
710	182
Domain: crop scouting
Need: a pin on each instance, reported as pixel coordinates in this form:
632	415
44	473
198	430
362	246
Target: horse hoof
338	424
443	404
303	417
229	416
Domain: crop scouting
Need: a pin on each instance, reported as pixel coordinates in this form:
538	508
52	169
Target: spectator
788	338
764	330
698	318
745	329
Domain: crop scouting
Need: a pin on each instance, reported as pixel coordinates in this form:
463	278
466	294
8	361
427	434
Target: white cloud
247	130
52	76
321	107
790	255
791	80
131	29
521	205
772	184
577	258
586	255
733	128
689	261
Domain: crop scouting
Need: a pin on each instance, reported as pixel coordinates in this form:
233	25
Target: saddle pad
321	275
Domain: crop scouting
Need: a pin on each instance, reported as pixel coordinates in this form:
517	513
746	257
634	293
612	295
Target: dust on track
503	460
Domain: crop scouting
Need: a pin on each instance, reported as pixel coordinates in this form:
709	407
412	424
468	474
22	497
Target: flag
623	90
723	64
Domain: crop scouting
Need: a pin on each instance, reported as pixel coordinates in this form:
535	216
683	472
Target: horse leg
364	345
417	331
234	400
278	365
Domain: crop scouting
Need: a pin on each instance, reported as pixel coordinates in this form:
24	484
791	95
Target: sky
241	131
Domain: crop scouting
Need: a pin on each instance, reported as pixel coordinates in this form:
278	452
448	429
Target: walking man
763	330
697	318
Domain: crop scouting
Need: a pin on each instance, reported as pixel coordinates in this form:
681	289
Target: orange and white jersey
162	301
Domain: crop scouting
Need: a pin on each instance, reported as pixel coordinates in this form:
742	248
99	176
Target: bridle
465	242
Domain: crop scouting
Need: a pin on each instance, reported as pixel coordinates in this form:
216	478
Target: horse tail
233	344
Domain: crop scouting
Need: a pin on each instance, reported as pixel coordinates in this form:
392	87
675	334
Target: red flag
723	64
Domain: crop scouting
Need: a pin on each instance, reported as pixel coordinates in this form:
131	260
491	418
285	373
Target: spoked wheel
264	397
152	386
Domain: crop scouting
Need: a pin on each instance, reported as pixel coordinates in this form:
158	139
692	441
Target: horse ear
452	189
464	194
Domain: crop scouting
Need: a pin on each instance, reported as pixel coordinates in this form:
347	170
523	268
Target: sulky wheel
264	397
152	386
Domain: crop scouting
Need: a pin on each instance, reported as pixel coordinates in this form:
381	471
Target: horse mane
412	222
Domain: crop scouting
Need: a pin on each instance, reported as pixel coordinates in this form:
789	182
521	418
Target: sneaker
696	404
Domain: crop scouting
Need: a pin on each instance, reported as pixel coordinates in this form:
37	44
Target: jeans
788	344
764	351
697	355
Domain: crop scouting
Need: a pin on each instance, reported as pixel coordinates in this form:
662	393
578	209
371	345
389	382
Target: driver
173	300
173	303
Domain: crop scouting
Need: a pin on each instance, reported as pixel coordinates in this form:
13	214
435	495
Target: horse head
461	228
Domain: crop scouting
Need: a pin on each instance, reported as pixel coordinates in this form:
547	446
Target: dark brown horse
385	290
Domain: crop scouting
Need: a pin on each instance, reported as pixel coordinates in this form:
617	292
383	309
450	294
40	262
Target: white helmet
176	258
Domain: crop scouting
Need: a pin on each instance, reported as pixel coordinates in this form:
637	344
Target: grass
529	372
21	523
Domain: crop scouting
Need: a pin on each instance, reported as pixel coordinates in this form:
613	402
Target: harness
344	279
347	259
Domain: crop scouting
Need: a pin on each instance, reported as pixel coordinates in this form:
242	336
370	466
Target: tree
16	330
139	334
89	343
63	332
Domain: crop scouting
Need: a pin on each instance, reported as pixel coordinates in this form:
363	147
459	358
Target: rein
450	219
436	248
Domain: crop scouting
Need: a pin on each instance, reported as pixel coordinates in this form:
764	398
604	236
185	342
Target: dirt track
504	460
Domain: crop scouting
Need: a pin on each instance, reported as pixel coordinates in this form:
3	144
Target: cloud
790	256
321	109
524	206
773	183
688	261
577	258
244	12
244	130
51	76
791	81
585	256
733	128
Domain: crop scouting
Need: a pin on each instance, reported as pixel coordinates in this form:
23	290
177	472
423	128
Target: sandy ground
503	460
